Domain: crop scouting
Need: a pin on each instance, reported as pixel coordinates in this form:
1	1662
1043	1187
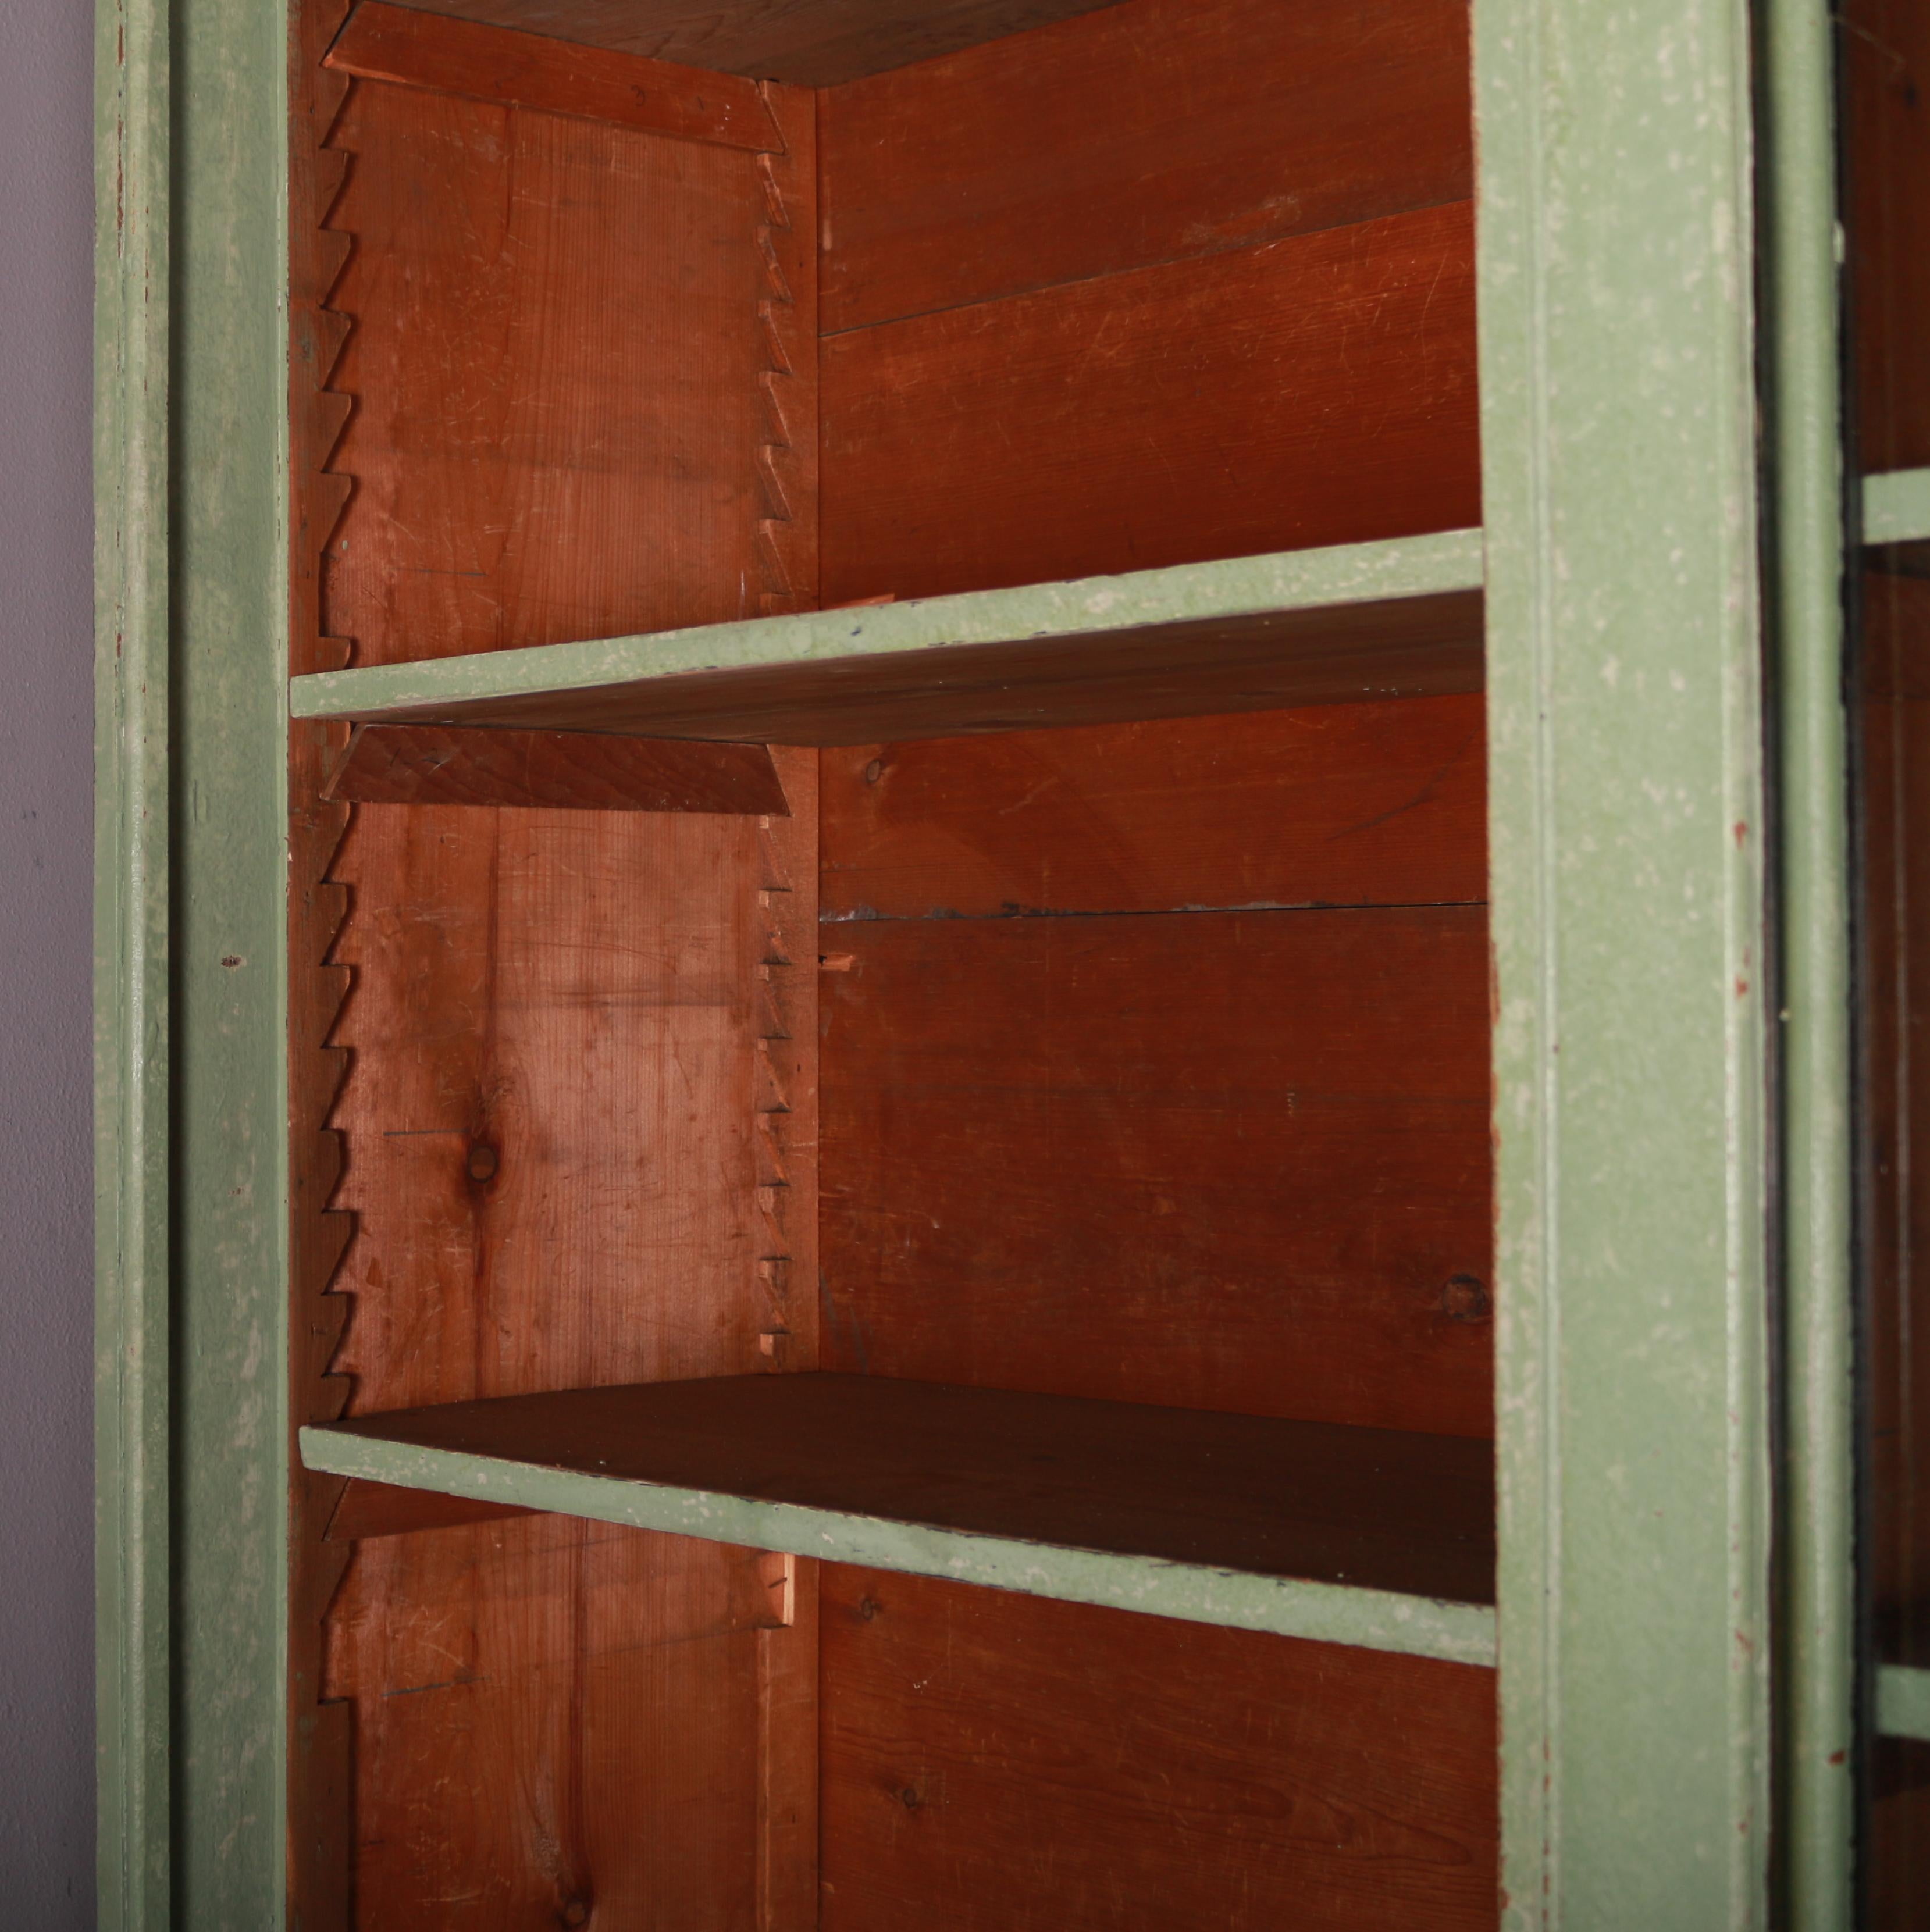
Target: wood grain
552	1153
1379	1509
1894	778
413	49
385	1509
1155	131
997	1763
1229	1160
814	45
1340	805
440	764
516	482
1885	53
1318	390
556	1724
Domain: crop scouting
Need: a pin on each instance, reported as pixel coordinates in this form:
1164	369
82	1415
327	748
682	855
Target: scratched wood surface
814	45
554	437
1380	804
999	1763
1316	390
1886	48
1157	131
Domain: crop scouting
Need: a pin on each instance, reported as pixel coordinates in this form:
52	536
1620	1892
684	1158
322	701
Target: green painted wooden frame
192	1430
1629	720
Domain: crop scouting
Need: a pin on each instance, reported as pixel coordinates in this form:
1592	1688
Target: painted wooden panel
1366	804
814	45
1154	131
553	437
1228	1160
995	1763
1316	391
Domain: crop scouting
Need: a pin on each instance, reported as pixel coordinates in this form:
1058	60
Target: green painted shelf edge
1896	507
1322	1612
1903	1701
1346	576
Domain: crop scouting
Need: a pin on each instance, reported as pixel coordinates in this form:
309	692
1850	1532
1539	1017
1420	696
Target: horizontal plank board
1154	131
1228	1160
1344	805
1370	1537
441	764
816	45
1352	621
1316	391
410	48
995	1763
1903	1701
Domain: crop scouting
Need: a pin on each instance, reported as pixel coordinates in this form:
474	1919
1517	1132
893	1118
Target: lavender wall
47	1605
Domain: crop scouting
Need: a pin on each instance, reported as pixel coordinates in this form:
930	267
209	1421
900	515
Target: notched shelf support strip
1903	1701
1322	1612
408	49
441	764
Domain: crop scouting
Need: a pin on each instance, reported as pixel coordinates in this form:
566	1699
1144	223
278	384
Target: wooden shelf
1381	619
1903	1701
1367	1536
1896	507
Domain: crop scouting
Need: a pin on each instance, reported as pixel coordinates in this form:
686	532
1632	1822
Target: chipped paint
1625	723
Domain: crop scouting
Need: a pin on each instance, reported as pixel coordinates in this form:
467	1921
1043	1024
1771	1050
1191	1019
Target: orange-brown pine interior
1144	1060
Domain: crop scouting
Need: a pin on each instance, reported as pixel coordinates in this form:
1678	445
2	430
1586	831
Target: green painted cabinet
1654	602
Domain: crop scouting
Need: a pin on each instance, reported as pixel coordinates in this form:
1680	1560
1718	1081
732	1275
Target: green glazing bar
1324	1613
1626	821
1903	1701
1096	607
1804	507
133	1686
1896	507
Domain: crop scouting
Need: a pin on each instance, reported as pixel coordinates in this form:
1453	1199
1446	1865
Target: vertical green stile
1627	840
131	1004
191	1344
1801	369
230	614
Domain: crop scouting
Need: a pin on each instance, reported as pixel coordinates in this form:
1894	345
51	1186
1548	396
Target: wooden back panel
1155	1063
999	1763
570	1032
1165	282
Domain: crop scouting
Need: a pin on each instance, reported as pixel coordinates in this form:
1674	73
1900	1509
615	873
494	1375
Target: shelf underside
1365	620
1369	1537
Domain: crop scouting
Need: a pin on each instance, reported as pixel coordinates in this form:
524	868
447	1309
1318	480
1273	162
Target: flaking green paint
132	1017
1100	608
1804	504
192	606
1328	1613
1626	835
